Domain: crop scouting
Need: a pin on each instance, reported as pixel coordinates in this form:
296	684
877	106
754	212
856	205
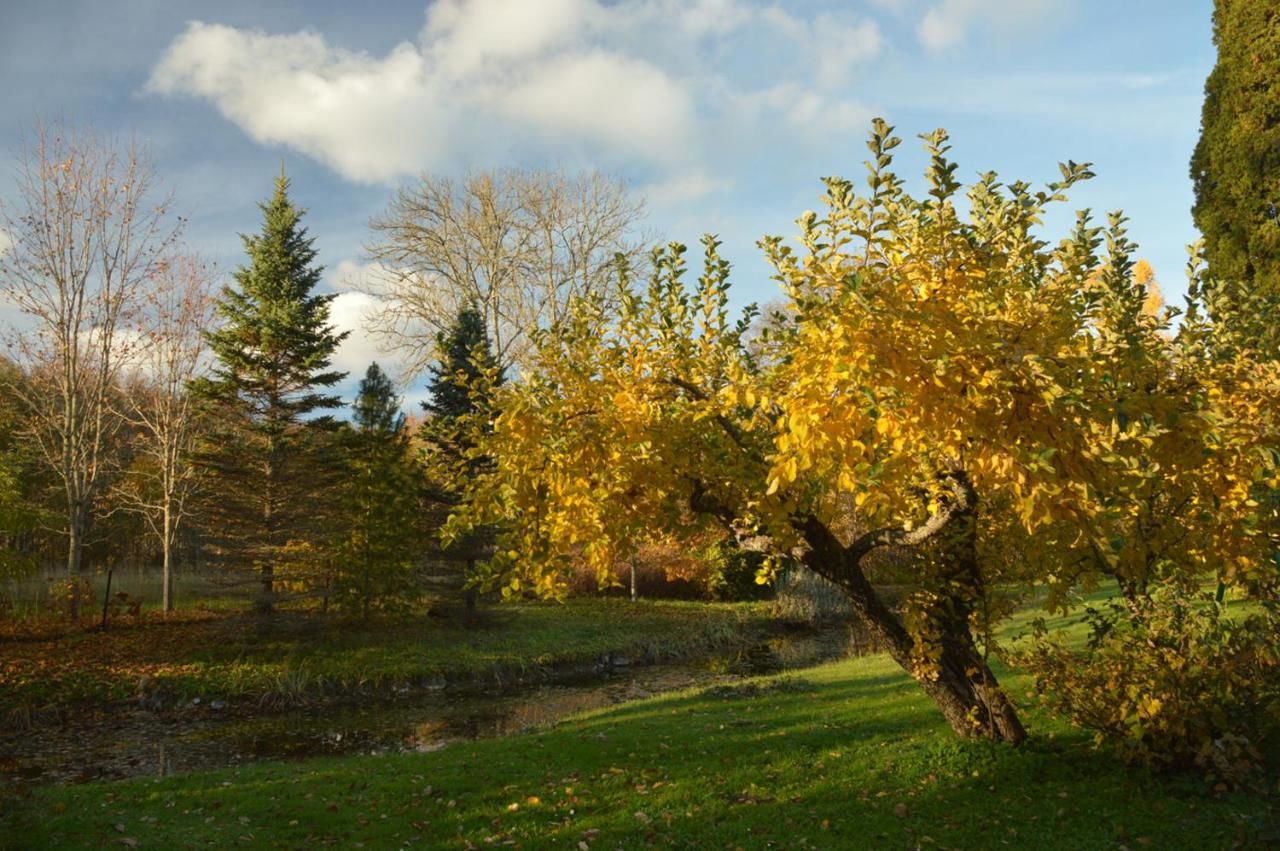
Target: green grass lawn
296	655
848	755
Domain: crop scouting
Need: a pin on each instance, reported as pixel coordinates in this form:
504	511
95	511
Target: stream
119	743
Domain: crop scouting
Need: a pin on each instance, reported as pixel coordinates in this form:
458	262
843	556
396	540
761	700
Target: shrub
1171	678
709	568
62	590
733	572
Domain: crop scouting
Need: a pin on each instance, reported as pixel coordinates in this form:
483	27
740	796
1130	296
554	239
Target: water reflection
135	743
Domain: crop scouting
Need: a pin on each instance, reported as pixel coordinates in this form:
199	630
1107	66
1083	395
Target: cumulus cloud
949	22
366	117
633	85
349	311
465	36
578	96
350	275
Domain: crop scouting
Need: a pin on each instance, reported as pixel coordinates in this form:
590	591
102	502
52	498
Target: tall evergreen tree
458	413
380	500
467	369
1236	164
269	455
461	385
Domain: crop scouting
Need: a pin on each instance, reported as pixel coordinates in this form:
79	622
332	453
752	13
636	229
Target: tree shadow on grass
855	758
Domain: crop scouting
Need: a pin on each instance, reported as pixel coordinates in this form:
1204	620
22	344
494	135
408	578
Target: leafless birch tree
516	245
86	233
176	311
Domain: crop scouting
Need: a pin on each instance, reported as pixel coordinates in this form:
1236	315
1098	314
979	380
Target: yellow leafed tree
1001	409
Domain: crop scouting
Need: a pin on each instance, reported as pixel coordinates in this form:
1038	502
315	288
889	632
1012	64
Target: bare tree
516	245
86	233
176	312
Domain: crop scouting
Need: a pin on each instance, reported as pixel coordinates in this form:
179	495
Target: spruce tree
1236	164
269	455
461	385
467	369
380	501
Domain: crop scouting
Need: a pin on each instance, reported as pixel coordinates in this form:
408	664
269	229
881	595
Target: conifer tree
1236	164
269	455
458	415
460	385
466	363
380	547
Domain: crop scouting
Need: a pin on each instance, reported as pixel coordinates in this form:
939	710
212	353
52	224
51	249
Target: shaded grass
850	755
27	598
292	655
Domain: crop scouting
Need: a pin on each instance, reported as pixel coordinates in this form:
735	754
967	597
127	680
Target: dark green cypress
269	455
1236	164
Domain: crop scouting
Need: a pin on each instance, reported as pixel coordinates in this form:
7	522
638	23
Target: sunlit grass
848	755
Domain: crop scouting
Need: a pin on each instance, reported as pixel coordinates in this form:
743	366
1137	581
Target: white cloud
949	22
836	43
630	85
713	17
464	36
841	44
6	242
804	109
581	96
683	187
352	276
368	118
350	311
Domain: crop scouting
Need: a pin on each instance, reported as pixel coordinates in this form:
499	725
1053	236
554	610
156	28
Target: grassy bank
849	755
289	656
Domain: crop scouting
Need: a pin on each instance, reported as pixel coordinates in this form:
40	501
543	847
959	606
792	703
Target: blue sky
722	113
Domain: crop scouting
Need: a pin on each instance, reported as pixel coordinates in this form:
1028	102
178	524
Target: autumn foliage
1007	411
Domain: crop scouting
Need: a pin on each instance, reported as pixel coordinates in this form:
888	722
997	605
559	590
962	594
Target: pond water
120	743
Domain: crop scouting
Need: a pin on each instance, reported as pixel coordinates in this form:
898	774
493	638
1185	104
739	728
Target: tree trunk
970	697
106	600
75	561
264	604
964	688
266	600
166	580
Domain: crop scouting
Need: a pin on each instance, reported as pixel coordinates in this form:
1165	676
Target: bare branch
518	246
86	234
